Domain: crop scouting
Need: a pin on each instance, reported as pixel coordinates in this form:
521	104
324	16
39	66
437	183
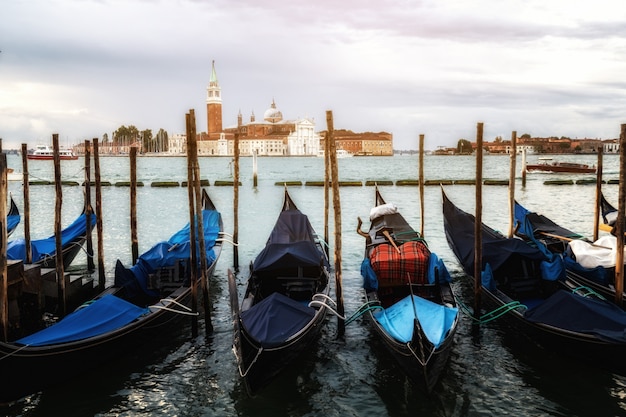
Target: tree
464	146
147	144
125	136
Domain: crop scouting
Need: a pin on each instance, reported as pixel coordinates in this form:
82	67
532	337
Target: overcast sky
409	67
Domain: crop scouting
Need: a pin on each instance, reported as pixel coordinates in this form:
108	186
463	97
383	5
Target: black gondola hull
258	366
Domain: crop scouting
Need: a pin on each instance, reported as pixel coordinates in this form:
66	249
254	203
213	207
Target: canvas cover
275	319
435	319
596	317
602	252
532	224
16	249
393	268
167	253
290	244
497	249
102	316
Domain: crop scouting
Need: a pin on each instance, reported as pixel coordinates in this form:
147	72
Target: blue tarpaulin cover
103	315
16	249
434	318
276	318
12	221
167	253
573	312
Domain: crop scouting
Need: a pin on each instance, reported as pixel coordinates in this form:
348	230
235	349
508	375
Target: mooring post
421	182
513	156
236	203
99	227
29	254
619	223
191	143
478	241
4	286
326	194
341	326
255	180
206	300
57	227
596	220
134	244
88	208
523	167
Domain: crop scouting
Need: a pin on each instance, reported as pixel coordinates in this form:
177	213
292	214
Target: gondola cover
16	249
290	245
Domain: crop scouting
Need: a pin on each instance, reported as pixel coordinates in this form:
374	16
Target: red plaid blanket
393	268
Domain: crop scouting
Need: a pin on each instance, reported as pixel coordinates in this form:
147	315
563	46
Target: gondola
590	263
43	251
285	301
609	214
143	305
410	303
13	218
539	301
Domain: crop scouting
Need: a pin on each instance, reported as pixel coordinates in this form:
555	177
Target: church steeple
214	105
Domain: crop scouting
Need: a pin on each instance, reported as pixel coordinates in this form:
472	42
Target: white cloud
83	68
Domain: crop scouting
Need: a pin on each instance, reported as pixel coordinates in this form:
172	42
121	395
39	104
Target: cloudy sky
409	67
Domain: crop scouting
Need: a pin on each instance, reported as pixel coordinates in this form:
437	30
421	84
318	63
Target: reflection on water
491	374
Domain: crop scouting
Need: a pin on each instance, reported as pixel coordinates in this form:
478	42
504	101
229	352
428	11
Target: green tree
147	144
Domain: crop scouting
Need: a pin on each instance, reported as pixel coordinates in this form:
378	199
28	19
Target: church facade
272	136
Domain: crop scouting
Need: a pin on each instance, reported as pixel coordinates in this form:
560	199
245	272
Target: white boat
46	152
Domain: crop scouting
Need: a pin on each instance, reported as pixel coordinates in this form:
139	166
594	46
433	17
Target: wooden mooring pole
421	182
62	300
204	283
523	167
26	190
326	194
596	220
236	203
4	287
341	325
134	243
99	224
619	223
191	149
478	237
513	155
88	207
255	167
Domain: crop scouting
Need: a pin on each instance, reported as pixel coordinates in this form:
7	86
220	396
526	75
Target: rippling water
489	373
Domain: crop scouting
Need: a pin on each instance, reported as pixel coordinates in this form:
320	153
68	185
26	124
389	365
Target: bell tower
214	106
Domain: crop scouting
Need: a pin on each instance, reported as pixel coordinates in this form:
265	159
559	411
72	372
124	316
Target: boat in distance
561	167
409	300
45	152
284	305
143	305
540	303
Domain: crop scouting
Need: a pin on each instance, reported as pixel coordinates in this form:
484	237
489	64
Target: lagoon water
489	373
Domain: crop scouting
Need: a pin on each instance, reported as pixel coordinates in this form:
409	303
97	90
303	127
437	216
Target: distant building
368	143
272	136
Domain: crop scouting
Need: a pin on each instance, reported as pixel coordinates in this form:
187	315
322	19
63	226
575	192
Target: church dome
273	115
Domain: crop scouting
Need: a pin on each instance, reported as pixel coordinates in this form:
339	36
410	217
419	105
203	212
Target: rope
188	311
243	374
585	291
491	315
